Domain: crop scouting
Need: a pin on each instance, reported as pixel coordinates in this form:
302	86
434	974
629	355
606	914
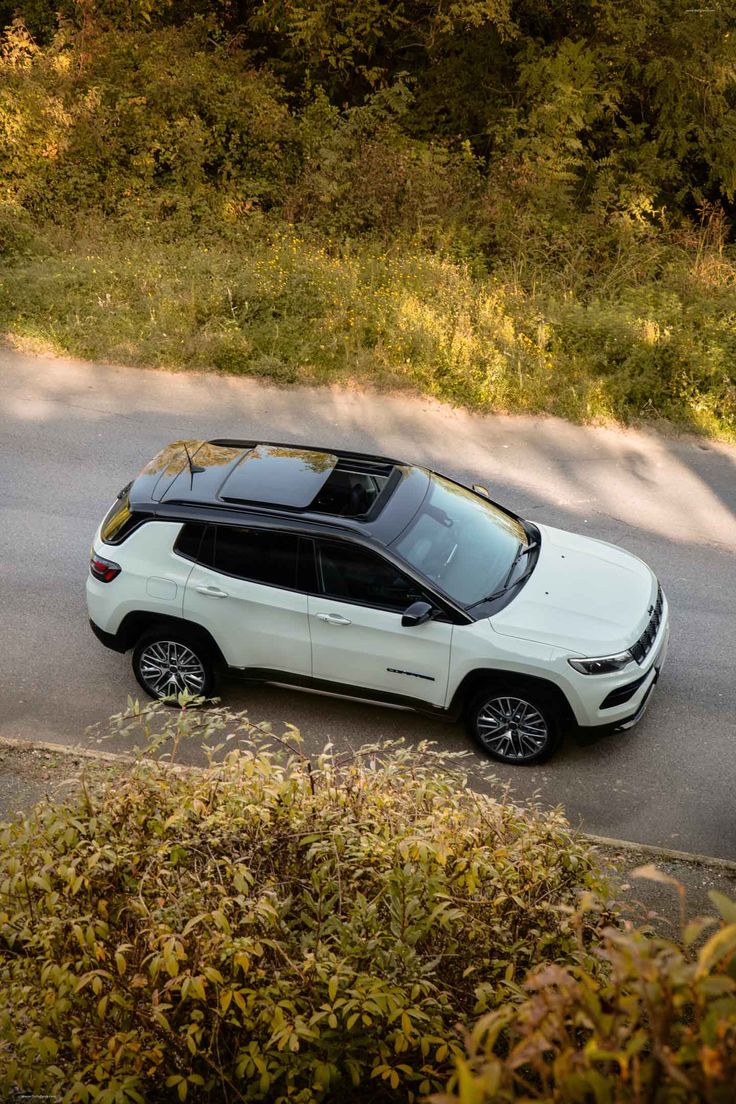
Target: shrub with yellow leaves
272	927
659	1024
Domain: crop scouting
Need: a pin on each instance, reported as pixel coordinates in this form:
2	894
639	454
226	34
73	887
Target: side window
307	573
257	555
351	574
189	539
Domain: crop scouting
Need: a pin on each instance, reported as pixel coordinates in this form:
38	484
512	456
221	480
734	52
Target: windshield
461	542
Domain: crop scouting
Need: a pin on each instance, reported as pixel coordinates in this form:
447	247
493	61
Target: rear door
358	640
243	589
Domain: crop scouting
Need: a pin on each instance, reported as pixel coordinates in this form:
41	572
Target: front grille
643	646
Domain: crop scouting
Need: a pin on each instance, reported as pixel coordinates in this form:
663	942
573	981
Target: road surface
72	433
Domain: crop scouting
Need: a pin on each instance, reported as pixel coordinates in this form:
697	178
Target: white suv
370	577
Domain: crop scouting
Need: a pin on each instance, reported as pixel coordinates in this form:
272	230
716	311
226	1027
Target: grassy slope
275	303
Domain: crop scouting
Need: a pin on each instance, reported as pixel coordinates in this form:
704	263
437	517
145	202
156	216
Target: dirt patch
665	906
29	774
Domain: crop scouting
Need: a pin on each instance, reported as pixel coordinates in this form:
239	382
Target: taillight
104	570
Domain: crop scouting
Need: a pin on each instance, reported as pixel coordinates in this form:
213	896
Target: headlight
604	665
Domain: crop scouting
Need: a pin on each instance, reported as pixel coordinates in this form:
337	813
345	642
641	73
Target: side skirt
338	690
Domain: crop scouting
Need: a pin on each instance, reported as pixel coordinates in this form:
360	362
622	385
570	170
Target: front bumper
624	715
631	721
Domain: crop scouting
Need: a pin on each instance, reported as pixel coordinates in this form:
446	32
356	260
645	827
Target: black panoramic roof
233	478
278	475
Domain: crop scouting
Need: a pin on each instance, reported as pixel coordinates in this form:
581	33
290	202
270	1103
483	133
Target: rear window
261	557
120	520
257	555
189	539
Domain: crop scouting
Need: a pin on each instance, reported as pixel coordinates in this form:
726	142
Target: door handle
211	591
334	619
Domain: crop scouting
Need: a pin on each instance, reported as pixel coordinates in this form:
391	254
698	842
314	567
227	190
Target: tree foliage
622	108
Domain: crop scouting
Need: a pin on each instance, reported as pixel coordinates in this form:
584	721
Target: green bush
360	172
18	238
272	928
657	1024
155	125
172	127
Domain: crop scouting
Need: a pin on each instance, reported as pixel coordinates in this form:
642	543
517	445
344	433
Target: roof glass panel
201	484
350	492
278	476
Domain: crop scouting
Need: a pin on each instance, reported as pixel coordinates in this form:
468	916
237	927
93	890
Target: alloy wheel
512	728
168	668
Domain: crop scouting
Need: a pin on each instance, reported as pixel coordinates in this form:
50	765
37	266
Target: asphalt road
71	434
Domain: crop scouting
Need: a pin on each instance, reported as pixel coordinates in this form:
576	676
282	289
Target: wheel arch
477	679
135	624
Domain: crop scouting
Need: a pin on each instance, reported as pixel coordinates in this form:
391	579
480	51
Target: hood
585	596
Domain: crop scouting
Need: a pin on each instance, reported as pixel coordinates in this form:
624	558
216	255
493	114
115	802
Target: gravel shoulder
31	772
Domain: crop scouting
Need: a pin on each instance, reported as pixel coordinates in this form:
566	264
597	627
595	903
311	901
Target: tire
532	723
182	659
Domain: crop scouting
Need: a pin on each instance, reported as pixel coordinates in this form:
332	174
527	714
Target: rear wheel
513	724
168	662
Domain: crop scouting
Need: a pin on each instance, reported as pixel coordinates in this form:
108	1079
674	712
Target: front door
243	590
358	640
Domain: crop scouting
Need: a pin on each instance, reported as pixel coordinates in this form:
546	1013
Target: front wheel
167	662
514	725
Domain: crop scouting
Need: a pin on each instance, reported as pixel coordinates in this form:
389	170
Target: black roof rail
232	507
344	454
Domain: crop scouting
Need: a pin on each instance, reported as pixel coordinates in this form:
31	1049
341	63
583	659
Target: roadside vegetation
271	928
356	927
516	206
654	1020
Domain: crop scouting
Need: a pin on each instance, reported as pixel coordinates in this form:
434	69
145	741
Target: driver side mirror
417	614
481	490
